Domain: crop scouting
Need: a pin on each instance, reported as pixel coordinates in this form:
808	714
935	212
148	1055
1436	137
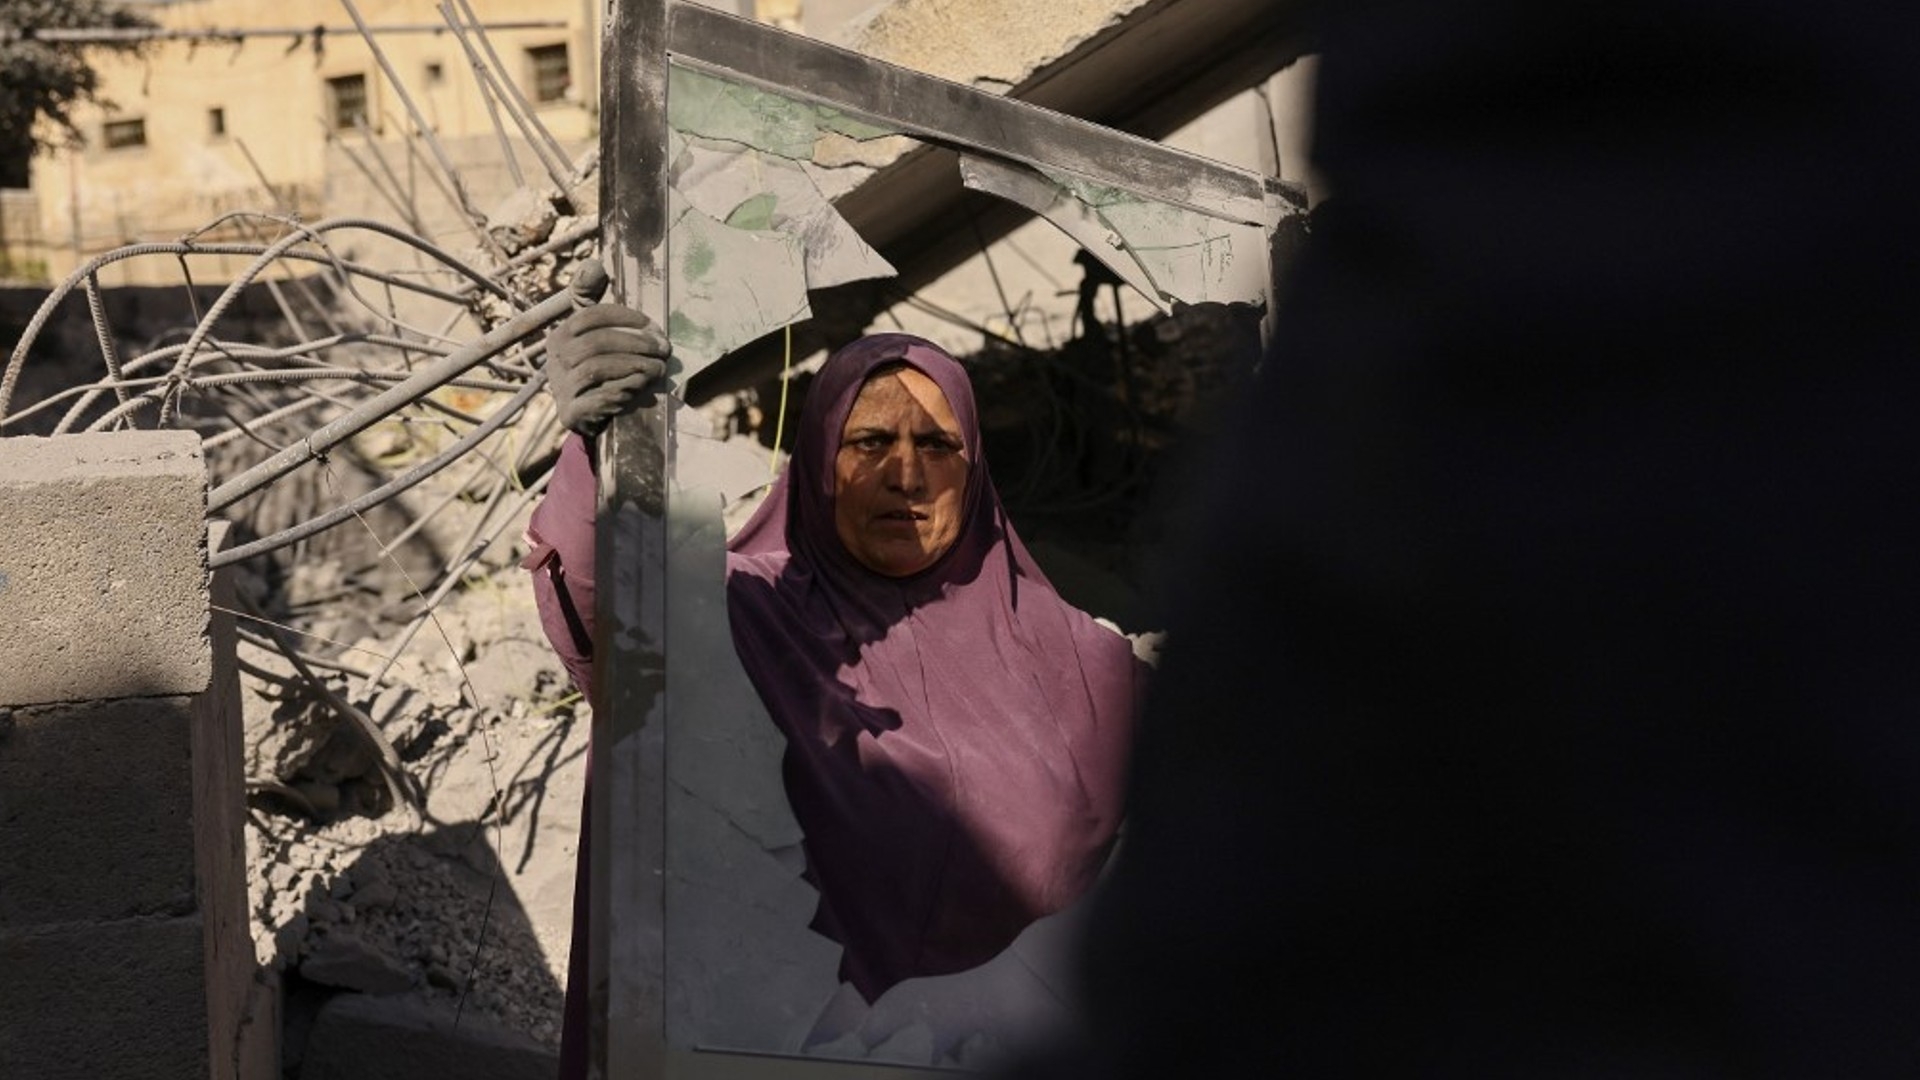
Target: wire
780	424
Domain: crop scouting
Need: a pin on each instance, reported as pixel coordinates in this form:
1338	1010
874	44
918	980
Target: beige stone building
258	106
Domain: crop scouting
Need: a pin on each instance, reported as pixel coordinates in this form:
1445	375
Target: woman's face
900	475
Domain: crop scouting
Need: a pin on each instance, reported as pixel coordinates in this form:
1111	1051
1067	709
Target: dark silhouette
1541	696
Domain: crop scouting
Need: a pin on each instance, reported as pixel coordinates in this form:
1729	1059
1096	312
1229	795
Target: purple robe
956	740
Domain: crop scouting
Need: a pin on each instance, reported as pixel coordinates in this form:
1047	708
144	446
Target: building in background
283	108
279	108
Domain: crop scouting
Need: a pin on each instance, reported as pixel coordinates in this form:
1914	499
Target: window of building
121	134
435	73
216	122
347	102
551	75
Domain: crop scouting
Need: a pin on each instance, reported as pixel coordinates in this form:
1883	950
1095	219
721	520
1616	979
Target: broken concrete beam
343	959
103	567
357	1037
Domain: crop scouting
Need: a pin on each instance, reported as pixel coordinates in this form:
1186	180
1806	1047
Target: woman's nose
903	465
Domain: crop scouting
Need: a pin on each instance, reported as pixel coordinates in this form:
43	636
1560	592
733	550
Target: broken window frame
627	972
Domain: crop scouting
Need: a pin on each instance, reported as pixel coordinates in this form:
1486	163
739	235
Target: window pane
117	134
551	76
347	101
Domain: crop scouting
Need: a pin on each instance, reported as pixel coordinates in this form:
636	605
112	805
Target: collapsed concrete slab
357	1037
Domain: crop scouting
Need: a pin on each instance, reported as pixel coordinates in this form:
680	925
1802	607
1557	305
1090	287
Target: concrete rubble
463	904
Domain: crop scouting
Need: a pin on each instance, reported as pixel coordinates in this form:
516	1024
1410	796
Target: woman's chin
899	558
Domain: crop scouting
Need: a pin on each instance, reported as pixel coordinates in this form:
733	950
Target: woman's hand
603	360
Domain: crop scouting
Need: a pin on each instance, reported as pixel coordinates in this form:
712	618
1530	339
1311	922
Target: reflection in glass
954	742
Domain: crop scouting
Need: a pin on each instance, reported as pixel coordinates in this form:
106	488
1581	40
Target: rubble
467	903
356	1037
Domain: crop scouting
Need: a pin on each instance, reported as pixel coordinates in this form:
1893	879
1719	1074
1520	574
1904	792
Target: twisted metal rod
488	92
90	392
545	146
236	378
495	341
267	256
453	577
301	235
386	491
247	429
16	361
109	355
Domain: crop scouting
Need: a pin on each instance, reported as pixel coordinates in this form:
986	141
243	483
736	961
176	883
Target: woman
956	732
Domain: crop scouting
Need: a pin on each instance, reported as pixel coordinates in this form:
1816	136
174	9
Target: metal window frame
535	54
112	133
627	948
337	117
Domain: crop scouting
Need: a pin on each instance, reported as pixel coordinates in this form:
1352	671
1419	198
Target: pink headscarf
957	739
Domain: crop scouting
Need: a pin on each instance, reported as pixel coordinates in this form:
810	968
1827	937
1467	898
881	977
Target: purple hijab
956	740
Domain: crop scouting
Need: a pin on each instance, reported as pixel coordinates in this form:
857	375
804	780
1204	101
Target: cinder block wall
123	935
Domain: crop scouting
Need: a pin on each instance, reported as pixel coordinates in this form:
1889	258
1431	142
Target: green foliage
48	78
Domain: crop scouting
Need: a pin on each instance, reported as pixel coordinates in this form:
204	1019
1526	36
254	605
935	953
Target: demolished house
343	376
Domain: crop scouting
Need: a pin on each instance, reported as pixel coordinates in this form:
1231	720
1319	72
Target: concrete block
357	1037
97	812
104	1001
103	571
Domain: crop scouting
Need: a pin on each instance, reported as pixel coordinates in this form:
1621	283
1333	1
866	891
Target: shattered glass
751	232
741	961
1169	253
